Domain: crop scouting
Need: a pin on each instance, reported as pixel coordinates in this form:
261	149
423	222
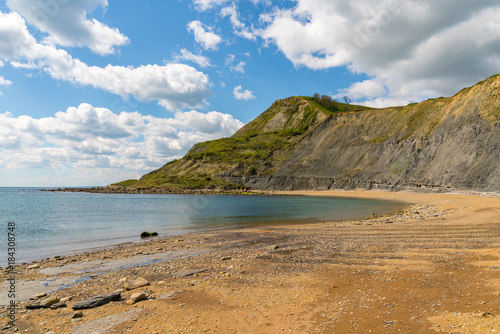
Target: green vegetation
127	183
256	149
186	181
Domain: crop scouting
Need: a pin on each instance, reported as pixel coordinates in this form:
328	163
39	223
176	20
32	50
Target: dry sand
434	267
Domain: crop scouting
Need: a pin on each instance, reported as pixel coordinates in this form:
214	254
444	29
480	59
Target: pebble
77	314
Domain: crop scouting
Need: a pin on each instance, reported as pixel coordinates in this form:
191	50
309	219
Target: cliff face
440	144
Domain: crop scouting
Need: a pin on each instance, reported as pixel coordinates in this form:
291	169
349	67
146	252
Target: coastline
435	265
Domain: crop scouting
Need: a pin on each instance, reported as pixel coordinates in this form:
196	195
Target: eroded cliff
440	144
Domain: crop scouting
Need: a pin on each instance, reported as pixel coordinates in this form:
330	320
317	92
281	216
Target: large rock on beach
58	305
50	301
97	301
134	284
137	297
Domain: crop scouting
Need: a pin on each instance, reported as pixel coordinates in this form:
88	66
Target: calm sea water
57	223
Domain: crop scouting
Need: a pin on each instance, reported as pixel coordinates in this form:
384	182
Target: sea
45	224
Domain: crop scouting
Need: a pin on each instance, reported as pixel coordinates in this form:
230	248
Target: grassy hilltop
312	143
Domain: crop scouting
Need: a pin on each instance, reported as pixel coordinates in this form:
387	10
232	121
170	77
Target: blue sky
96	91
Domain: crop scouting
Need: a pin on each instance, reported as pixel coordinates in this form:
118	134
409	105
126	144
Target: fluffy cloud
174	86
98	140
205	37
184	54
242	95
412	50
66	23
4	82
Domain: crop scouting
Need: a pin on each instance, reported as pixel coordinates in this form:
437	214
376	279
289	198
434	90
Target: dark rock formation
97	301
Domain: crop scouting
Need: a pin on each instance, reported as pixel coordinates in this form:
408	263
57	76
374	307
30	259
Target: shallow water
57	223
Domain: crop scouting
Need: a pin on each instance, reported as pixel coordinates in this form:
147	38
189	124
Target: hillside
441	144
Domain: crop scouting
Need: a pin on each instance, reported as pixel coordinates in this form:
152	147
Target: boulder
50	301
134	284
137	297
58	305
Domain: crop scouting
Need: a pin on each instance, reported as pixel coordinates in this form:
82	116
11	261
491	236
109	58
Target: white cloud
239	27
202	61
86	139
203	5
414	49
242	95
365	89
4	82
239	67
67	24
206	38
174	86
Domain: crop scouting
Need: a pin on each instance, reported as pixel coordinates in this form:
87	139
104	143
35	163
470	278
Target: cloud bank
86	138
174	86
410	49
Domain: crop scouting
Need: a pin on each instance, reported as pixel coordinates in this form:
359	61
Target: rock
134	284
34	266
50	301
225	258
58	305
66	299
130	302
40	295
97	301
148	234
77	314
137	297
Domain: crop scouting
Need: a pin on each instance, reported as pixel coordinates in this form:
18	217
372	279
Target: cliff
440	144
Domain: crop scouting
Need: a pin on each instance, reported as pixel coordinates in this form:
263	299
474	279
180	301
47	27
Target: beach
431	267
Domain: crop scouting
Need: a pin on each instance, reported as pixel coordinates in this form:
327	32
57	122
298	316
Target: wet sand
434	267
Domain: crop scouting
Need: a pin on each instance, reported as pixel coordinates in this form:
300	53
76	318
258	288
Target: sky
93	92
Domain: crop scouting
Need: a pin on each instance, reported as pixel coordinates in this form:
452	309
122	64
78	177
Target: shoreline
288	276
167	232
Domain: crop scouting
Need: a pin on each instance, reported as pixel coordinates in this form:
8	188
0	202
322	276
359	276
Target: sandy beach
432	267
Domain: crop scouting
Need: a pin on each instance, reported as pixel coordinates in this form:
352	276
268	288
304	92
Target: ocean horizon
62	223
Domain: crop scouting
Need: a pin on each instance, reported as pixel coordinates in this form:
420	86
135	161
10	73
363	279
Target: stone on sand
134	284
